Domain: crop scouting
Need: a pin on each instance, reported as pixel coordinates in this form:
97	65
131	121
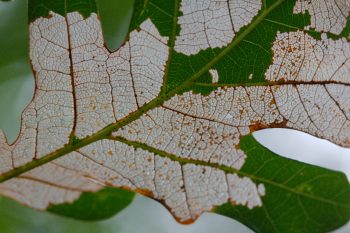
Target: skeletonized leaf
171	112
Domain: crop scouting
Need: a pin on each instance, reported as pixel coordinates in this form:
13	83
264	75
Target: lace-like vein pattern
94	78
81	86
212	24
326	15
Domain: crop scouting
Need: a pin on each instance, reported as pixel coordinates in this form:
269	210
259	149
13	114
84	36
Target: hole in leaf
115	19
303	147
16	79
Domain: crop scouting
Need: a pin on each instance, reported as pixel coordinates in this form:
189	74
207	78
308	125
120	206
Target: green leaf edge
41	8
95	206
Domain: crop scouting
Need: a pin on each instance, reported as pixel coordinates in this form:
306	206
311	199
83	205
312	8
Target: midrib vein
105	132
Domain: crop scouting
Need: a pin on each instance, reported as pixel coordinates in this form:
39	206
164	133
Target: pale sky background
145	215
